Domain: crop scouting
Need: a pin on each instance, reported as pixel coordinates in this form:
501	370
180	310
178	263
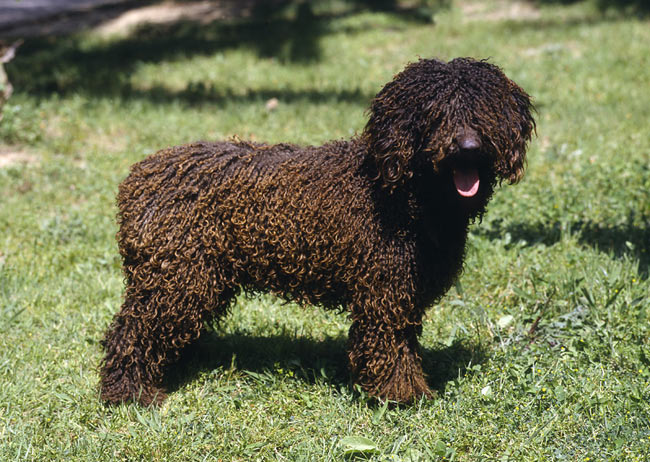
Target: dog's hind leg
153	326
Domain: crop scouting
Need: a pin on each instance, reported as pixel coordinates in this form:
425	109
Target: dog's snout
469	143
468	140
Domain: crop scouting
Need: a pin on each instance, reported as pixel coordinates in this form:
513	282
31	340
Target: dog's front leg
385	361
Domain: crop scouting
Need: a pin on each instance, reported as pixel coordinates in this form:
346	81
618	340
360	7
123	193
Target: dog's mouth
466	181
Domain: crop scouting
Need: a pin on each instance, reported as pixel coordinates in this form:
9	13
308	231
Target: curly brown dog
376	225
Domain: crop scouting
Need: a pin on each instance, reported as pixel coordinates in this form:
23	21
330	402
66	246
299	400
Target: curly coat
376	225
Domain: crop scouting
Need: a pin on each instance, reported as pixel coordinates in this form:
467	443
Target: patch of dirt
498	10
202	12
554	48
30	18
109	142
11	156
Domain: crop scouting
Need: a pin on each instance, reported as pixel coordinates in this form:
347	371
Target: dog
375	225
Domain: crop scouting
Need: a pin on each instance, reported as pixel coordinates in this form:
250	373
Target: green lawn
542	351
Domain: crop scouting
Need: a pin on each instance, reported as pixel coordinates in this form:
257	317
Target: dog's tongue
466	182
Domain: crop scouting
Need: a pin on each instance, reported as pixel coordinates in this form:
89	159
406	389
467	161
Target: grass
540	353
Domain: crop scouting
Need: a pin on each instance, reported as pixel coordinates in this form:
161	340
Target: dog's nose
468	140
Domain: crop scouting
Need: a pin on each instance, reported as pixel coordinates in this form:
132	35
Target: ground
540	353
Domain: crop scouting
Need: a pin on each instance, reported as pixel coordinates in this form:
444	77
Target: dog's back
275	218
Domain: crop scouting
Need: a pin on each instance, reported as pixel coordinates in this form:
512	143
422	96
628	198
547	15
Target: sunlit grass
540	353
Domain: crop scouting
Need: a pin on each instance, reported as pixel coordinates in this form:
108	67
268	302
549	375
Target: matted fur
373	225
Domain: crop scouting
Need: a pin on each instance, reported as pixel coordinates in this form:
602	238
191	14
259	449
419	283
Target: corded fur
372	225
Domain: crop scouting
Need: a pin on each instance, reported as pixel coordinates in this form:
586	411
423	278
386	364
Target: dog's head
464	119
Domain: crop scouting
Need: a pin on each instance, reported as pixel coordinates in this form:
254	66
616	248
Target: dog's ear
501	110
521	127
394	129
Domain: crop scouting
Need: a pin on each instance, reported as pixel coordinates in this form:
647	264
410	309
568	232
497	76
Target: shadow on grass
632	7
618	240
607	11
288	30
309	360
201	94
447	363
